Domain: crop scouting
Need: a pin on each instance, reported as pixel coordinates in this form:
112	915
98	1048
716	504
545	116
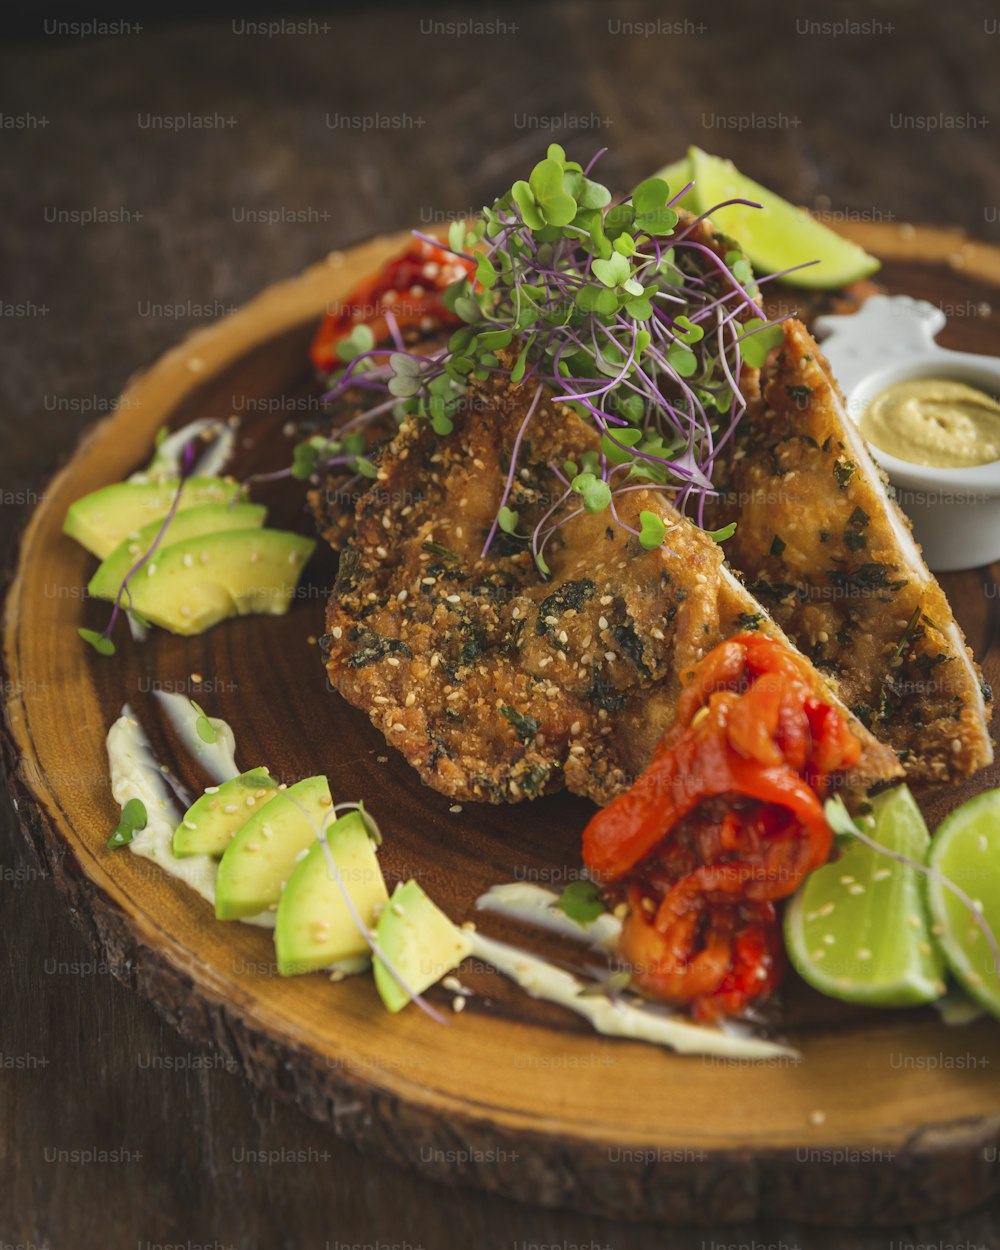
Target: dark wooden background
206	217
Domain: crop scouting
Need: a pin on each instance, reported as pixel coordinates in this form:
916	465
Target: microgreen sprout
133	819
204	728
581	901
614	307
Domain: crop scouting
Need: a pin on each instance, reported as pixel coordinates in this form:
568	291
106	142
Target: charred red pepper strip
410	287
752	734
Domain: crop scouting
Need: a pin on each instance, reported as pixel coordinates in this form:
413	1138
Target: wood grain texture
613	1128
82	1048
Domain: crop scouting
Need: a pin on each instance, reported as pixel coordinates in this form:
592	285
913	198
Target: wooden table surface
122	227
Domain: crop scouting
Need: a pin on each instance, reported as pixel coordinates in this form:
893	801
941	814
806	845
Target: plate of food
488	689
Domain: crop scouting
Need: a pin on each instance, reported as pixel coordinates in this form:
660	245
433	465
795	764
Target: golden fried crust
832	557
494	684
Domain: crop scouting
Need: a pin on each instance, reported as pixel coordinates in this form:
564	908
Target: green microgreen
133	819
720	535
204	728
610	305
581	901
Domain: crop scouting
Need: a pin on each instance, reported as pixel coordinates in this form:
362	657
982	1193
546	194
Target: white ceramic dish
955	512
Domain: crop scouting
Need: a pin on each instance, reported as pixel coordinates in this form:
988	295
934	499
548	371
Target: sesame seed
828	939
189	824
399	727
857	888
864	953
203	557
411	698
211	789
846	880
151	569
456	808
458	1004
337	632
188	560
230	808
250	800
602	621
817	1117
253	846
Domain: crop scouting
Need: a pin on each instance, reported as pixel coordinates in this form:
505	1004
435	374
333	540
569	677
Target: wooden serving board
888	1116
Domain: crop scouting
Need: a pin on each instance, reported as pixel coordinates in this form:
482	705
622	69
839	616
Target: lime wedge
966	850
856	930
776	236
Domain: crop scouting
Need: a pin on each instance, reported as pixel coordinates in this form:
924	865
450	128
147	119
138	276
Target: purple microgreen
321	833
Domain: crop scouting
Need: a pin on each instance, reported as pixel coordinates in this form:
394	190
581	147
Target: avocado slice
211	821
203	519
314	926
99	521
192	585
419	940
262	855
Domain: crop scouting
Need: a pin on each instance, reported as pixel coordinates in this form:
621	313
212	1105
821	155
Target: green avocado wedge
210	822
188	523
262	855
192	585
420	942
315	927
104	518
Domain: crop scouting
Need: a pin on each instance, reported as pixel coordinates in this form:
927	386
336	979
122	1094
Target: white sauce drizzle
135	774
217	758
614	1017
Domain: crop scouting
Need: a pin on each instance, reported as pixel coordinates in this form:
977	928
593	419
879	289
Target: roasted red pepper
727	818
410	287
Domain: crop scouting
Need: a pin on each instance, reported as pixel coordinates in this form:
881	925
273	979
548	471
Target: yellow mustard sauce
936	422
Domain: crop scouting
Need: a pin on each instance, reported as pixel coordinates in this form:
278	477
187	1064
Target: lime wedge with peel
857	929
966	853
775	236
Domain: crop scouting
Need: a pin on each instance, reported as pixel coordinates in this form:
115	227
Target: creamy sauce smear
613	1017
136	774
